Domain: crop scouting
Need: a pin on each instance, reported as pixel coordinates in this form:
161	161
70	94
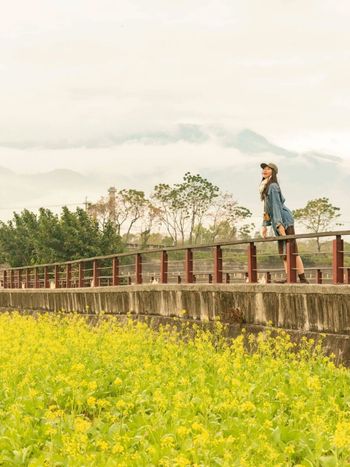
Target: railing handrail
186	247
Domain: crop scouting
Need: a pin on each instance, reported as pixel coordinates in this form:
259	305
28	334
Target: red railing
210	263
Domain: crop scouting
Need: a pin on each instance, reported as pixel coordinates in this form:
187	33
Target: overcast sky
83	73
105	85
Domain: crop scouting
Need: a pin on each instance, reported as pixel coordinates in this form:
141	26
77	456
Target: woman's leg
285	264
300	269
299	262
300	265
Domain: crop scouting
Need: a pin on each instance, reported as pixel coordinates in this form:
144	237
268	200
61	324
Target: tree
170	210
197	194
182	207
317	216
80	235
225	216
46	237
122	208
17	239
246	231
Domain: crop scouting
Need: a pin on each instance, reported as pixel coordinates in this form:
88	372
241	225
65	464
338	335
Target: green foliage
18	239
317	216
45	238
183	210
182	206
196	211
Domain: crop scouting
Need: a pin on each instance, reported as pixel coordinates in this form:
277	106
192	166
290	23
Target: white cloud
86	73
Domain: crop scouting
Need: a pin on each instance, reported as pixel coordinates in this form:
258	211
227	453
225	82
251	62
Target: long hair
273	179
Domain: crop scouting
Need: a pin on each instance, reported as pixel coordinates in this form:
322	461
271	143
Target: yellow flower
118	382
78	367
182	461
247	406
32	392
202	438
102	444
281	396
81	425
121	404
230	439
228	456
103	403
50	430
268	424
167	441
342	435
182	431
91	401
290	449
92	385
197	426
313	383
117	449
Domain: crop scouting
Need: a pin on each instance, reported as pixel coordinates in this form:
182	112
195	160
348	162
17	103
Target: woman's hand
281	230
263	231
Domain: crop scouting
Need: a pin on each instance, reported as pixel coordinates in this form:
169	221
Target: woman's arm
264	231
276	206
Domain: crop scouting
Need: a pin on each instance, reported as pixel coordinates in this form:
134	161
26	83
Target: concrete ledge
309	308
299	309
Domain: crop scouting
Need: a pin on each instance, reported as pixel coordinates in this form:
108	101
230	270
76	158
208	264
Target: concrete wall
300	309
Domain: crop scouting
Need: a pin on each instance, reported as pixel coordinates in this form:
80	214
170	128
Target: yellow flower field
75	394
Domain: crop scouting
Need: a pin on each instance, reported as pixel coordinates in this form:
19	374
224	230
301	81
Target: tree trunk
318	244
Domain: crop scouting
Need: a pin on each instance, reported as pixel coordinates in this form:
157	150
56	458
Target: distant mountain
249	142
303	176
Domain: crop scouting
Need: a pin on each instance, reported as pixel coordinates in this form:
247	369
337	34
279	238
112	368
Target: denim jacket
275	208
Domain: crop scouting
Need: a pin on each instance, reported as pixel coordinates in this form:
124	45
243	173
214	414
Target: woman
278	215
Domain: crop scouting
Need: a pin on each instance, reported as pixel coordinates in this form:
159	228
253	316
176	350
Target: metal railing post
12	279
338	260
19	278
164	267
68	275
138	268
291	262
115	271
81	274
95	274
318	276
46	278
218	264
57	276
36	278
252	263
27	278
189	266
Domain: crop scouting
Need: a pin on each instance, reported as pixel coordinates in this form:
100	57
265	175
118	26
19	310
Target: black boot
303	279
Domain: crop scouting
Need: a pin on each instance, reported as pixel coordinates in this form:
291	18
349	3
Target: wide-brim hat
271	165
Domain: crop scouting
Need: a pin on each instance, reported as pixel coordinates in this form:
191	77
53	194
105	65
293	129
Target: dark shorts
282	244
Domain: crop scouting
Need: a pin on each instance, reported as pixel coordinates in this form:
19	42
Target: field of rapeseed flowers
75	394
